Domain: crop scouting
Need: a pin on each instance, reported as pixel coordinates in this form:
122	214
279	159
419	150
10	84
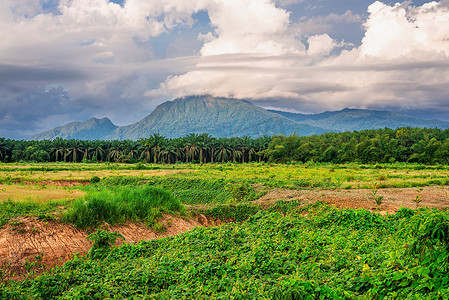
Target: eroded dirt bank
22	239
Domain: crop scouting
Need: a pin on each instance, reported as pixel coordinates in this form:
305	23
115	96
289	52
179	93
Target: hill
361	119
224	117
89	130
220	117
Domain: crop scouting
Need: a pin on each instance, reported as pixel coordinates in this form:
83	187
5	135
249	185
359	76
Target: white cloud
401	30
401	63
250	26
103	56
320	44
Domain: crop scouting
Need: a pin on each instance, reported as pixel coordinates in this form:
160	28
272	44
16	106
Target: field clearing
79	175
292	176
37	193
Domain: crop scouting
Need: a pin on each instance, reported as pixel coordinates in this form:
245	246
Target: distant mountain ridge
224	117
350	119
89	130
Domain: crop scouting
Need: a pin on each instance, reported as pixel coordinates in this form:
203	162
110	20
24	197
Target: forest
414	145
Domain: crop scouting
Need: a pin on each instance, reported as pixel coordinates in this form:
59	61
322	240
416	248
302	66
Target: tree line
427	146
198	148
414	145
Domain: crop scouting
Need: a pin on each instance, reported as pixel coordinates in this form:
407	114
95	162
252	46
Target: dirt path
394	199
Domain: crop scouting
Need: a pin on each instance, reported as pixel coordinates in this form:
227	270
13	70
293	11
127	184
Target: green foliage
308	252
418	197
115	205
242	192
425	146
195	190
414	145
237	213
377	199
10	209
95	179
102	242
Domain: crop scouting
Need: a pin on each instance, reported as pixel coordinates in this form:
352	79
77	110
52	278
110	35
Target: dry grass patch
82	175
38	193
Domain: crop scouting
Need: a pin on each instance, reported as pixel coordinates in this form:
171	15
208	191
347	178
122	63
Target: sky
71	60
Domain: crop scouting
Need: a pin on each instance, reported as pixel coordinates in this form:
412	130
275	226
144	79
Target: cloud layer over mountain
71	60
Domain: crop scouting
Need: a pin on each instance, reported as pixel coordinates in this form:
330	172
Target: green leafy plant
94	179
102	242
377	199
418	197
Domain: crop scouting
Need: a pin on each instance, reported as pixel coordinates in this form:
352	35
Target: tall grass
11	209
137	203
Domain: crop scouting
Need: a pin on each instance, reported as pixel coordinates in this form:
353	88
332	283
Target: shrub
102	242
94	179
141	203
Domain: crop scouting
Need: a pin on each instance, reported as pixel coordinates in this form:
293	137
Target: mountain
223	117
220	117
360	119
89	130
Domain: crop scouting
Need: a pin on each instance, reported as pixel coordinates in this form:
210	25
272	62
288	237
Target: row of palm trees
199	148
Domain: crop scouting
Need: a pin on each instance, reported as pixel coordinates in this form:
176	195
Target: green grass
120	204
10	209
291	176
312	252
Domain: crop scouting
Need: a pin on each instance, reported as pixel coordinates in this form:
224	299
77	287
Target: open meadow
251	230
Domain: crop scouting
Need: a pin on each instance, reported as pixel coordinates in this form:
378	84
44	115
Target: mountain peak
220	117
88	130
229	117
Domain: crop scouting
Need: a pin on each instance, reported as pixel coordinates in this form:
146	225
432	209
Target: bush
102	242
141	203
94	179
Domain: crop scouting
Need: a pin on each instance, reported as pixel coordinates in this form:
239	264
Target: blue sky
70	60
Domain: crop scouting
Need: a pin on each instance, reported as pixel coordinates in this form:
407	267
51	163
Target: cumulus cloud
250	26
97	58
401	63
402	30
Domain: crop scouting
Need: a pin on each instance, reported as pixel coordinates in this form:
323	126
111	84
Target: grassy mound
120	204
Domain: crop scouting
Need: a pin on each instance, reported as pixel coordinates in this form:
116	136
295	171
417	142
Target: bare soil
393	198
22	239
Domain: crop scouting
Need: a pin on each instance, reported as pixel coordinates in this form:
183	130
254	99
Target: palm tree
131	150
223	151
261	146
251	150
168	152
192	147
157	143
96	150
5	148
245	143
145	149
178	144
114	151
57	149
73	148
235	144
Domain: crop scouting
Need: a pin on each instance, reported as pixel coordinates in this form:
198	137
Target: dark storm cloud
14	73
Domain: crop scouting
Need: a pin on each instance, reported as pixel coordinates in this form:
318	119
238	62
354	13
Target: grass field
286	244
